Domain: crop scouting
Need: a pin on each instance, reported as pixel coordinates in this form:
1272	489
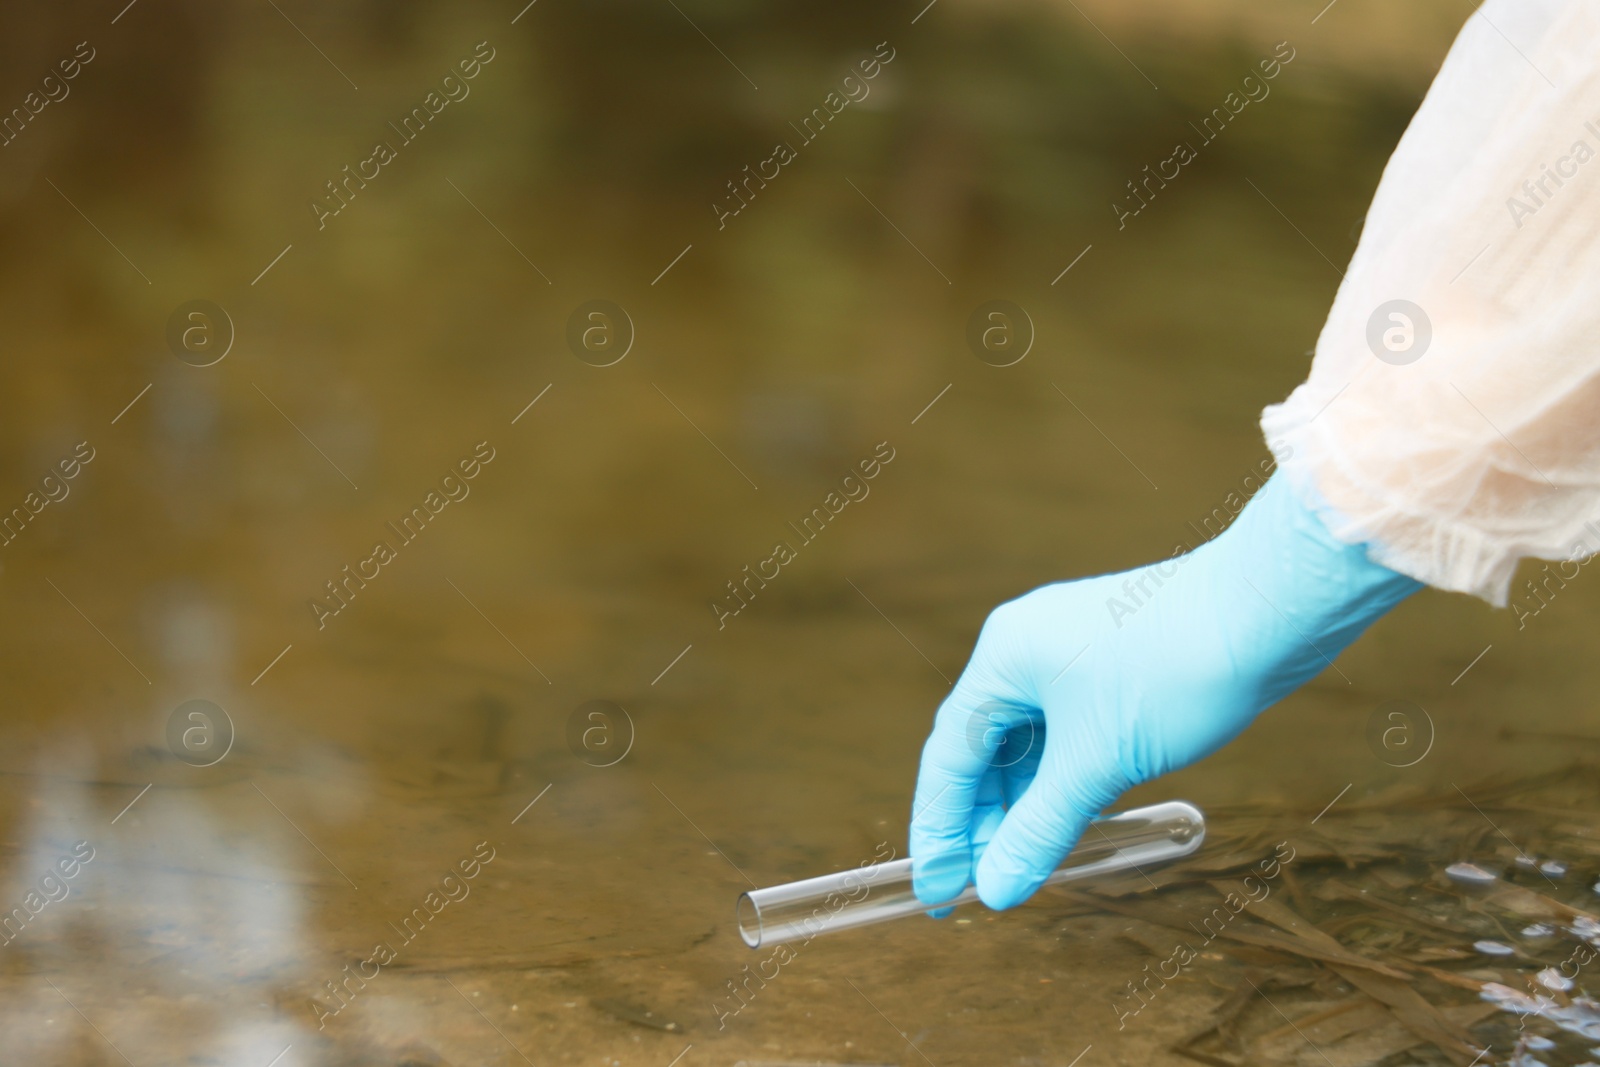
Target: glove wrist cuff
1325	588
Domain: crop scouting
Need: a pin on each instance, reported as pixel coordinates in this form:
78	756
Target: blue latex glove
1081	690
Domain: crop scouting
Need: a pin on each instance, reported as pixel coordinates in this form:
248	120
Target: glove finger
986	819
985	824
1023	750
956	779
1043	826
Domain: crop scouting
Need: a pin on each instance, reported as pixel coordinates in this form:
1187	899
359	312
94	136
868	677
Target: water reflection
189	934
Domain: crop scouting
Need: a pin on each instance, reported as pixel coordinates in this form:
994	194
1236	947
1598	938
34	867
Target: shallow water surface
519	658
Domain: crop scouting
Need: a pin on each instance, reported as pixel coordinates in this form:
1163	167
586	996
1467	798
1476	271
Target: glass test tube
877	892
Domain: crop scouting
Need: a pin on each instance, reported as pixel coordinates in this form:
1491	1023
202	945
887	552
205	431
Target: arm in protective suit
1450	427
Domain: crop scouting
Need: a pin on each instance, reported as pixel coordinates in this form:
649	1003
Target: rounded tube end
749	917
1189	827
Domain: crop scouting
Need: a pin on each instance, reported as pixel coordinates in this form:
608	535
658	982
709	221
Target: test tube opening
748	915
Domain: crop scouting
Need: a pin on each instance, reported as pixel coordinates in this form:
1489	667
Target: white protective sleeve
1459	440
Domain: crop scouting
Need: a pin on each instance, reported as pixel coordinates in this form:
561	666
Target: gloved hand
1081	690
